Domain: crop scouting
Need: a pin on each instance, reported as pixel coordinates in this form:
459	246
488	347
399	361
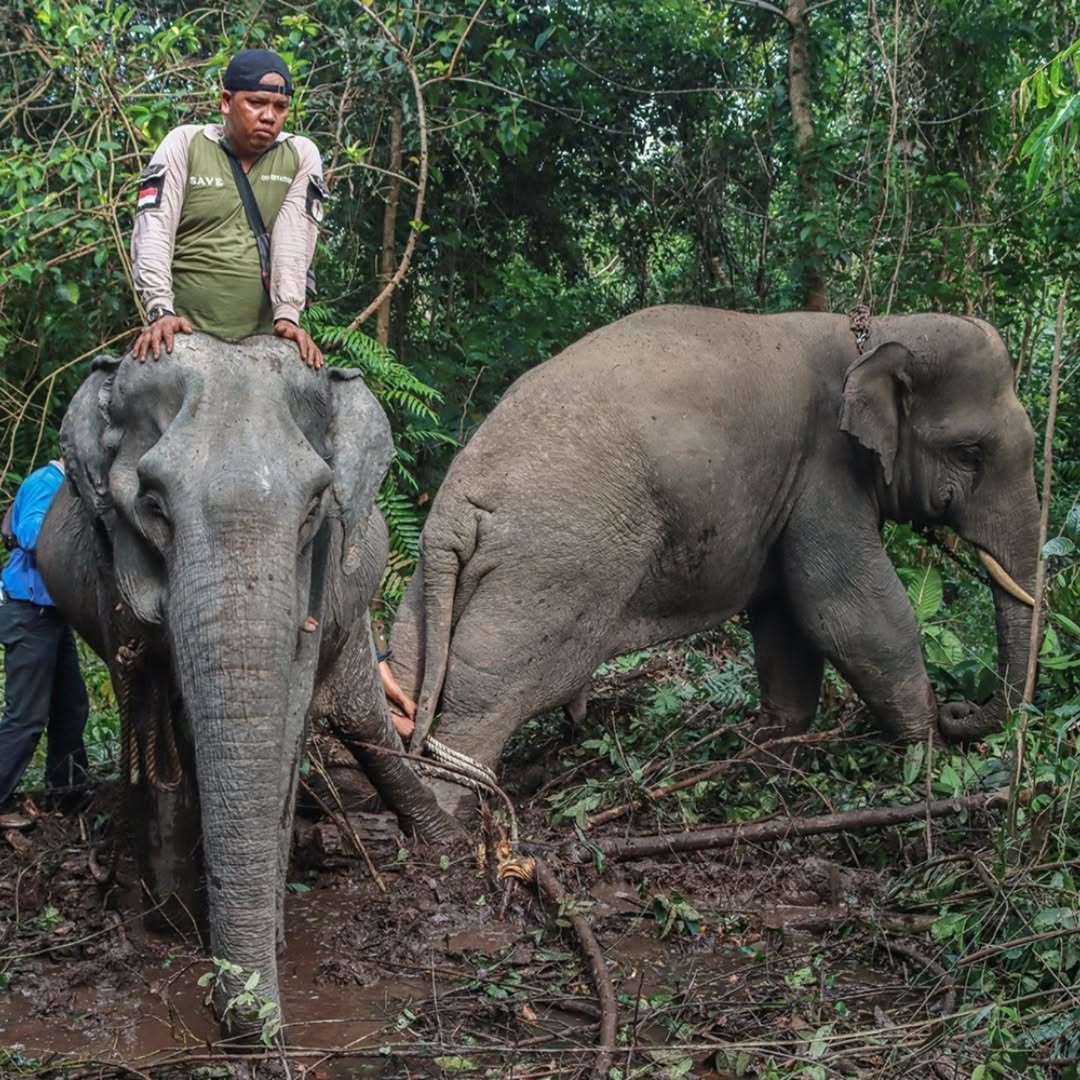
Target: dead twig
590	948
1040	565
1005	946
1044	520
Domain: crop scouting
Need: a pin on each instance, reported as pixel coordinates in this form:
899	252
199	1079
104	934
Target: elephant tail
442	563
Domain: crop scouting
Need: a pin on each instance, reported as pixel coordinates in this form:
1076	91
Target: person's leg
65	764
29	660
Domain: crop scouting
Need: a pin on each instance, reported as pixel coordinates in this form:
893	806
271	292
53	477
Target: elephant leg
500	673
789	669
351	699
576	709
850	604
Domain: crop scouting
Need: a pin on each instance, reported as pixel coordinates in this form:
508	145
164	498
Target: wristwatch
156	313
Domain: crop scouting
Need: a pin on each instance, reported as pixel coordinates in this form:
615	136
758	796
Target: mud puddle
154	1008
438	973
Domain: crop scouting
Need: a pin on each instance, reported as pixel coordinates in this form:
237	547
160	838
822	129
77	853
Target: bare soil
722	962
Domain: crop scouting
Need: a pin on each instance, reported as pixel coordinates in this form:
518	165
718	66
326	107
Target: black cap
247	68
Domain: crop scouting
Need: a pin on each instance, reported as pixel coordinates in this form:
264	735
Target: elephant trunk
1017	554
234	637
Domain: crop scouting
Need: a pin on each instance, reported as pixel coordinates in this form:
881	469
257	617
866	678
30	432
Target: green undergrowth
995	893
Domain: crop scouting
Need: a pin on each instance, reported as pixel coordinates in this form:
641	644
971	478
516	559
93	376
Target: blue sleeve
31	503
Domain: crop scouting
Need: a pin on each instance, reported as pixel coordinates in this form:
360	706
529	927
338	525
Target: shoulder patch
151	183
317	194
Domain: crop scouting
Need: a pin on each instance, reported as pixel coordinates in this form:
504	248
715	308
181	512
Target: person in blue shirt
45	689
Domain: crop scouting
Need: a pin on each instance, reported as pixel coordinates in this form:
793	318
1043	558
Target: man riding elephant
227	218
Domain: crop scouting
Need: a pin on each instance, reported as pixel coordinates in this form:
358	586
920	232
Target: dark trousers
44	691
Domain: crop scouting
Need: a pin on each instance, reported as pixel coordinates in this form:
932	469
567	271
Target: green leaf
1072	521
1060	545
950	780
949	927
913	762
926	592
252	981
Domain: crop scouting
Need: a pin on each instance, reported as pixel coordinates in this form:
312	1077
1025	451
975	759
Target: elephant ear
361	450
877	392
82	442
89	441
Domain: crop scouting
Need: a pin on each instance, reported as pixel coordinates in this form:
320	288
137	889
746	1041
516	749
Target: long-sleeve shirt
192	248
21	578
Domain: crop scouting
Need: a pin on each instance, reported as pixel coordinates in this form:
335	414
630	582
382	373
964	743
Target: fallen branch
903	948
1005	946
718	768
590	948
614	848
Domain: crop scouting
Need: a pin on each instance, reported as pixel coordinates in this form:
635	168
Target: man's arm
31	503
296	228
292	246
159	202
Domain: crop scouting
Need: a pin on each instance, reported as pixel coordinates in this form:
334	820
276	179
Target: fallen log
615	848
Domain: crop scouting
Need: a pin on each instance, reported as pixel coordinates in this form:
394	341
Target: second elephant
685	464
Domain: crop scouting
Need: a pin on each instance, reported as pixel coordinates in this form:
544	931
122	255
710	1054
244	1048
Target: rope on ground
531	869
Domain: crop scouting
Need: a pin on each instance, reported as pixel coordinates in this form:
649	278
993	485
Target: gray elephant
218	497
685	464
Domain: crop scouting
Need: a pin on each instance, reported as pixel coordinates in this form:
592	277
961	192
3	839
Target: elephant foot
768	759
437	829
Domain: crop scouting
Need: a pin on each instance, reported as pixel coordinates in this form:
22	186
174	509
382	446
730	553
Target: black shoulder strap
251	208
7	533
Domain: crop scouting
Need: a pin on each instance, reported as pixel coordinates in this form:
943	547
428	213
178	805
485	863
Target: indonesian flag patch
151	185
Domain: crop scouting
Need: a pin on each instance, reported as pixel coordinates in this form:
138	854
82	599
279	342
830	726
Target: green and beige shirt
192	248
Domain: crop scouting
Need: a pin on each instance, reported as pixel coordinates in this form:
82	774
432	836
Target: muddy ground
754	961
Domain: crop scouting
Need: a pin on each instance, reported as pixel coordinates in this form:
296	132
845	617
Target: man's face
253	119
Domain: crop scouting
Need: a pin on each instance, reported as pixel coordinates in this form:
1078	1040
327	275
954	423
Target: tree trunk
387	258
800	98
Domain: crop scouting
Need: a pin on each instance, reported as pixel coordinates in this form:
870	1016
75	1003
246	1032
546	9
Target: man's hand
310	353
160	331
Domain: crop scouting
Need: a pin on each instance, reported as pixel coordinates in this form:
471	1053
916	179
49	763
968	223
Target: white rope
458	768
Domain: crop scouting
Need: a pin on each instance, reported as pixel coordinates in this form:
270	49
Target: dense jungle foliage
527	172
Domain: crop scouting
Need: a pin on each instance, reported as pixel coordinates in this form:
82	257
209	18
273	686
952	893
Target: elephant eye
150	502
970	455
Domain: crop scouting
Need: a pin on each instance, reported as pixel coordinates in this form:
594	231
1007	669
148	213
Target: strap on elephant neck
859	317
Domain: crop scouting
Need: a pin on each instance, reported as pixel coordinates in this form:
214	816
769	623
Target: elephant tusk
1001	576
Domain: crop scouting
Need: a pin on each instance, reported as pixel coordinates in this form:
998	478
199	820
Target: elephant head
934	401
228	484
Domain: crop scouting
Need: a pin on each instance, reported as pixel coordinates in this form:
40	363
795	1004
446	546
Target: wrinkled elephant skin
683	465
218	497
